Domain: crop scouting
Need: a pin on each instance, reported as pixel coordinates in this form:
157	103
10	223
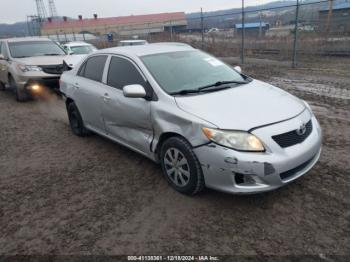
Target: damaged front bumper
236	172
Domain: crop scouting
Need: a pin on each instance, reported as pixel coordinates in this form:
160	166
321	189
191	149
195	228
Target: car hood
42	60
74	60
243	107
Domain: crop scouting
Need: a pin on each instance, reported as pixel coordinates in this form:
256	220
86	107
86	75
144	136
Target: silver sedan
206	123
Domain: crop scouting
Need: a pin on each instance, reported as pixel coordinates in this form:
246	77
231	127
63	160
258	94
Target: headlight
308	106
239	140
29	68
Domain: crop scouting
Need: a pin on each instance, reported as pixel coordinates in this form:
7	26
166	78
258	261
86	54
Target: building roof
251	25
122	20
339	6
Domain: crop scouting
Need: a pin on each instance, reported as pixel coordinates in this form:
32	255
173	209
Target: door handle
106	97
76	85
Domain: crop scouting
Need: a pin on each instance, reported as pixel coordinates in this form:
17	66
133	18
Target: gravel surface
61	194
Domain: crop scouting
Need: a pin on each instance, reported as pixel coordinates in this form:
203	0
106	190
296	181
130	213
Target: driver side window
122	72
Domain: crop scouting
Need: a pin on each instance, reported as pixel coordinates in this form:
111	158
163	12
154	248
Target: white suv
27	65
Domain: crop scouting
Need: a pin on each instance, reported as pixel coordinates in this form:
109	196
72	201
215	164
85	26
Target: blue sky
17	10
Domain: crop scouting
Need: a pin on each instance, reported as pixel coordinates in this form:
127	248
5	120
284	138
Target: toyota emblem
302	130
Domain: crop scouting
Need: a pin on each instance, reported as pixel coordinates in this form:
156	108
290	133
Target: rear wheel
76	121
181	167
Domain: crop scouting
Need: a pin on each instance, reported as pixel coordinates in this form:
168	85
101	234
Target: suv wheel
2	86
21	95
181	167
76	121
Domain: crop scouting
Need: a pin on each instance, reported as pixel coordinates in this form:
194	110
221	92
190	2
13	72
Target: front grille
53	69
292	138
292	172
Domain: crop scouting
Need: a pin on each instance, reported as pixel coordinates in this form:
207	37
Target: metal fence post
295	46
243	34
171	30
202	28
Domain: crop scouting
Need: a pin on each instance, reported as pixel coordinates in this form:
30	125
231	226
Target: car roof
150	49
77	44
26	39
133	41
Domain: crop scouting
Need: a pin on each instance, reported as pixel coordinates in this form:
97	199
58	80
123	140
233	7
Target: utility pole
243	35
295	46
171	30
202	28
329	18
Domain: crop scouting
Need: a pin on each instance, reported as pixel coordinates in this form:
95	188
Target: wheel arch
164	137
69	101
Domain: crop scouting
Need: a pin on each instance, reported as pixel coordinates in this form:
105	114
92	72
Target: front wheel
21	95
76	121
181	167
2	86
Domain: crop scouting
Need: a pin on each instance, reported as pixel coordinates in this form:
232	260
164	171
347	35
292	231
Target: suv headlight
238	140
29	68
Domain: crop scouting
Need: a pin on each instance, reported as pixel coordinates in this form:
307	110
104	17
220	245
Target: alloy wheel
177	167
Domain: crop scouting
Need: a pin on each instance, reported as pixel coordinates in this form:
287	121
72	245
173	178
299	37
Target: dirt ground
61	194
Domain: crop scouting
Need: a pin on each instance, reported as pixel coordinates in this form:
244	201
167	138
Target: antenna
52	8
41	9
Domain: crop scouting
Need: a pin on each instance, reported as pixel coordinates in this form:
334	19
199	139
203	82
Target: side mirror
238	69
70	53
2	57
134	91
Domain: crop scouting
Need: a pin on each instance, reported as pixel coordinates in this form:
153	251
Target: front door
128	120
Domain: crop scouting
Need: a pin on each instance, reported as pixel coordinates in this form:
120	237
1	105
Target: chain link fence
297	32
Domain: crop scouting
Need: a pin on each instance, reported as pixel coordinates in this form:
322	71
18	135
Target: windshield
187	70
82	50
34	48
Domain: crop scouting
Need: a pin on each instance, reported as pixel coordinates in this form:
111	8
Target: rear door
128	120
90	91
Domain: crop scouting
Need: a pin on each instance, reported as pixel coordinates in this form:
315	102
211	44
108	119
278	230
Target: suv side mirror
238	69
2	57
134	91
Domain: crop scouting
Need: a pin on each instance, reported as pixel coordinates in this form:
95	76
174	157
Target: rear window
82	50
35	48
93	68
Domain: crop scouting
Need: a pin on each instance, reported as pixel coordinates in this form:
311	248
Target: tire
75	121
181	167
2	86
21	95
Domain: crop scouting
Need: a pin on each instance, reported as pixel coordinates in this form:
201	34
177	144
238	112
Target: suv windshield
189	70
82	50
34	48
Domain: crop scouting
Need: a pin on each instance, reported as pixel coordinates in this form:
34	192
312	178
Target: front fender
168	118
